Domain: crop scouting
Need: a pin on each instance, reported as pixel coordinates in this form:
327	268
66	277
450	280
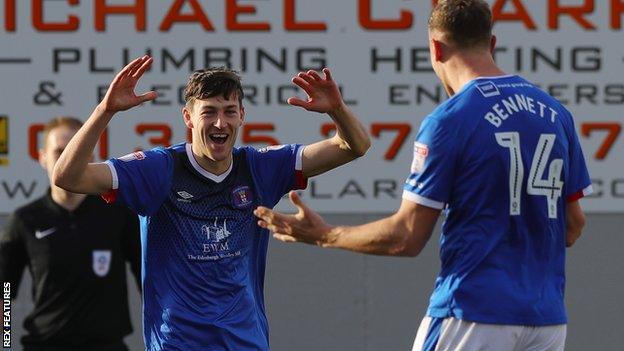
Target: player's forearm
575	222
73	162
574	229
387	237
351	134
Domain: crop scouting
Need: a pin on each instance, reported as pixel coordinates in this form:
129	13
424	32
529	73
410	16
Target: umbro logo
184	196
40	234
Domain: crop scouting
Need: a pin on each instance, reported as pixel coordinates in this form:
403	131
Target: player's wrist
338	110
103	109
330	237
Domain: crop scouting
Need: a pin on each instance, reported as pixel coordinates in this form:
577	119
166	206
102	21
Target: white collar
215	178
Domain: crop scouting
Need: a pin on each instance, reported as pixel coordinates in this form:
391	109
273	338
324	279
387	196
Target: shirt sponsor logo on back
488	89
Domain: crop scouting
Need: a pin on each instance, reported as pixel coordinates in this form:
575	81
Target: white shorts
451	334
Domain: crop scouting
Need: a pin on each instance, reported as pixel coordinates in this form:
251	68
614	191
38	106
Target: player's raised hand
304	226
120	95
323	93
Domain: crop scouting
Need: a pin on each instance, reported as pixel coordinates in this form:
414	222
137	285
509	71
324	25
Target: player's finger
138	65
127	70
315	75
144	66
149	96
307	77
270	216
285	238
303	85
293	101
296	200
328	75
269	226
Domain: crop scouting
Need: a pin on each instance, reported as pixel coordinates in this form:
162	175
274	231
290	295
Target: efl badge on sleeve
271	147
242	197
101	262
137	155
420	156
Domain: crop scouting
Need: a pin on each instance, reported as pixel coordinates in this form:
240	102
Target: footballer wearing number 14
501	158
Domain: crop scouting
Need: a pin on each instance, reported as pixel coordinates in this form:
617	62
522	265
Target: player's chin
221	152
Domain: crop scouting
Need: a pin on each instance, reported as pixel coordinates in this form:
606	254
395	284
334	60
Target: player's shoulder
155	154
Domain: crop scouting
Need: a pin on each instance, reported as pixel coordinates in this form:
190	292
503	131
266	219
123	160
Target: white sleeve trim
114	174
299	159
408	195
588	190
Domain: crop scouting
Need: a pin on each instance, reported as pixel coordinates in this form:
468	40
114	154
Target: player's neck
65	199
216	167
462	69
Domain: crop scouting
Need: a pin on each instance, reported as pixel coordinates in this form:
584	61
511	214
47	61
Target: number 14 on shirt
550	187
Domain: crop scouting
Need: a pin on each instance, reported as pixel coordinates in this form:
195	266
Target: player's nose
219	122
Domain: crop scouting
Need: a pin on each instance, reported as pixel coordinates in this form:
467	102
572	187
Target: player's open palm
304	226
323	93
120	95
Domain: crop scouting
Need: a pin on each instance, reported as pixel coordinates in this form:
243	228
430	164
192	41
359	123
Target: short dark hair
60	121
465	23
211	82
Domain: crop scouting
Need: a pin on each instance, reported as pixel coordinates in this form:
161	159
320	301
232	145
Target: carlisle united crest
101	262
242	197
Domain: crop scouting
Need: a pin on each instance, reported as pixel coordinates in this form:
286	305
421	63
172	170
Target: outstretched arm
351	139
405	233
73	172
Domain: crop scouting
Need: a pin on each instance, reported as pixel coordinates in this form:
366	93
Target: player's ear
42	158
186	114
242	114
438	50
492	44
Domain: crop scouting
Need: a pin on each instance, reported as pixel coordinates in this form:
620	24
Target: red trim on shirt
301	182
577	195
110	196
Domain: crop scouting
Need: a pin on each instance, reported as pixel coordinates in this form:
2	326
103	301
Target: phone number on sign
264	134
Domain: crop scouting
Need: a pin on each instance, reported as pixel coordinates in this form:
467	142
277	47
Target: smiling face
214	112
214	123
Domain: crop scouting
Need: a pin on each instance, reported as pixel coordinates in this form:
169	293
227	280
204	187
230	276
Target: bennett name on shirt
515	104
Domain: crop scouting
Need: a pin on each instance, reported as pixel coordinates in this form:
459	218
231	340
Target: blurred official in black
76	248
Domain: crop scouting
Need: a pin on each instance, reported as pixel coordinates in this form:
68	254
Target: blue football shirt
502	158
204	255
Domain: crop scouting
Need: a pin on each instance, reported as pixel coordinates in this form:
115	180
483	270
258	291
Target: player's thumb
296	200
150	95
